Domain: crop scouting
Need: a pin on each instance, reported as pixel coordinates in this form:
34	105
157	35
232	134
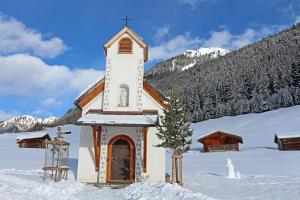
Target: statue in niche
124	96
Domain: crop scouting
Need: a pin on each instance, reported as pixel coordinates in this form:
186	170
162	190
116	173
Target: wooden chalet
33	140
220	141
287	142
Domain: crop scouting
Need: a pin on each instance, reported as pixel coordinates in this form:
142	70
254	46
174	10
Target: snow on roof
288	135
96	118
207	134
31	135
226	132
88	87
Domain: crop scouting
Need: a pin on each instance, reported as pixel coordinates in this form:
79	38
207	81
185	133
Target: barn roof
32	135
93	90
286	135
203	137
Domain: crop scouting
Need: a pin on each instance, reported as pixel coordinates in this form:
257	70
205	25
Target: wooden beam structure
97	141
91	95
145	133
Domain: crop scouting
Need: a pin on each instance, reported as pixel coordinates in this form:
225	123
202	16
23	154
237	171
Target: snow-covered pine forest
259	77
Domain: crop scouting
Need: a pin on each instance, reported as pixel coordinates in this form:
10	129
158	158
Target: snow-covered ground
266	173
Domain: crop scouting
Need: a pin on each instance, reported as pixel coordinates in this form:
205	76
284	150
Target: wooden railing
225	147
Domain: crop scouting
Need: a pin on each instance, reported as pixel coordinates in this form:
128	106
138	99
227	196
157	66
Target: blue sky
50	50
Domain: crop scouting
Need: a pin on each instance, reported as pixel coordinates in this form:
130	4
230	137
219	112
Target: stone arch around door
120	159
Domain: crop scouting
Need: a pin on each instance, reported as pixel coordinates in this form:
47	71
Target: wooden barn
287	142
220	141
33	140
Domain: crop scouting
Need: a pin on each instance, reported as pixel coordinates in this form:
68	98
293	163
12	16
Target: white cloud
222	38
174	46
218	39
15	37
51	102
25	75
42	111
161	33
288	10
297	19
5	115
225	39
193	3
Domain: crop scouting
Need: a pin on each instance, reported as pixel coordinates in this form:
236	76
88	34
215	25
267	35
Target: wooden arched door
120	160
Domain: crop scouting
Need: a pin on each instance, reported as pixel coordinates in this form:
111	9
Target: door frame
109	155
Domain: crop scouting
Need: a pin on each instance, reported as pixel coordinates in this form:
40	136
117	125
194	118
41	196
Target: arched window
125	45
124	95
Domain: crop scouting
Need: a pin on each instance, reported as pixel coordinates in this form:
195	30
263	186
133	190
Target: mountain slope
257	78
25	123
29	123
185	61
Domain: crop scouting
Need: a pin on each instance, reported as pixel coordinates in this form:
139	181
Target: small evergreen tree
174	130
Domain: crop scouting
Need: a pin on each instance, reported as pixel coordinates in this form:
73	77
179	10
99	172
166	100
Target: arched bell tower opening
125	45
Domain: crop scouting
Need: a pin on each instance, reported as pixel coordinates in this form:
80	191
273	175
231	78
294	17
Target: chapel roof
92	91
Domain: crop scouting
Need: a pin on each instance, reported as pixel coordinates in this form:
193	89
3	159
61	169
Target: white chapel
119	114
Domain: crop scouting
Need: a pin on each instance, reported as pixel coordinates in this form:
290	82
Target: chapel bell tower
125	53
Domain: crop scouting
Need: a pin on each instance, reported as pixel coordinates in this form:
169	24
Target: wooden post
177	172
52	162
96	140
145	131
45	163
180	171
173	170
68	154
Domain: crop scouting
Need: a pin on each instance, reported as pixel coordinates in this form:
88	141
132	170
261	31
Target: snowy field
266	173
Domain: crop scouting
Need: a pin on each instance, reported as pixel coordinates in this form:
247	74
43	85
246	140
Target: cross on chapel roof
126	19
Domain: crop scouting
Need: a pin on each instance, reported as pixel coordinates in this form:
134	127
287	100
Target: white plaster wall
150	104
124	69
86	158
155	158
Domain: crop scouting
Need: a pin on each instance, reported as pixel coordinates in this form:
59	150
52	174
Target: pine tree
174	130
295	75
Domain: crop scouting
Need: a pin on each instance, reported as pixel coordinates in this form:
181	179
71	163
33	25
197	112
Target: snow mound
28	184
231	173
160	191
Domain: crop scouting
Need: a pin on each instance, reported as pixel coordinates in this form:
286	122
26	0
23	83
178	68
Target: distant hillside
25	123
259	77
70	117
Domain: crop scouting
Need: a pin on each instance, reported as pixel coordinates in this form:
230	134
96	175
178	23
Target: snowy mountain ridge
213	52
24	123
187	60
